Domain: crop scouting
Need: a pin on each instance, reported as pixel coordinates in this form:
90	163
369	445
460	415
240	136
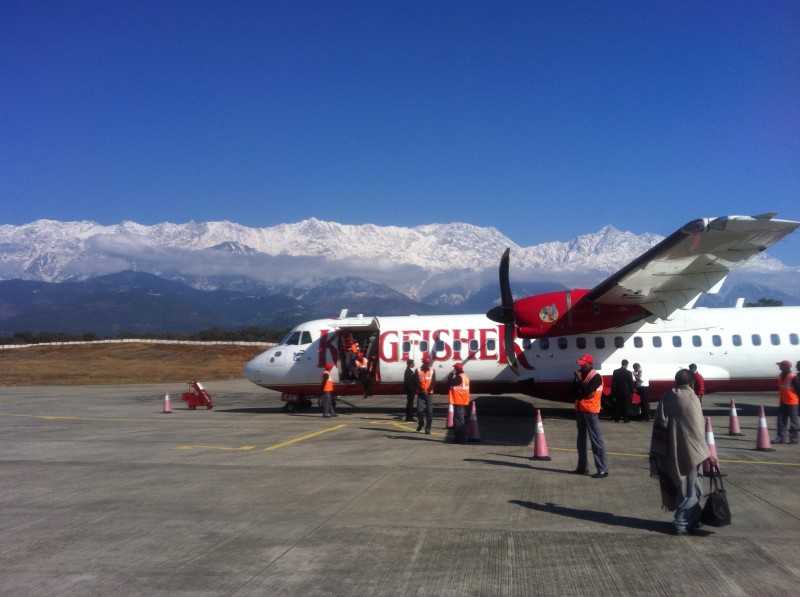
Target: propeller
504	312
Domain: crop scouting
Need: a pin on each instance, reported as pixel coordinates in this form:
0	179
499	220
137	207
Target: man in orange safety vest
588	389
458	394
789	401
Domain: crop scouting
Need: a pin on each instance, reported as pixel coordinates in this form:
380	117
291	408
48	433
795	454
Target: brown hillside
122	363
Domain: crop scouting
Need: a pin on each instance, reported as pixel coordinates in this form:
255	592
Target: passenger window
306	338
439	346
293	339
544	343
775	339
580	342
423	346
716	340
793	339
676	341
736	339
562	343
490	345
656	341
527	343
697	341
406	347
756	339
599	342
473	346
456	345
638	342
619	341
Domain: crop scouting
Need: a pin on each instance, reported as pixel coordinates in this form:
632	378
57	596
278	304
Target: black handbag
716	512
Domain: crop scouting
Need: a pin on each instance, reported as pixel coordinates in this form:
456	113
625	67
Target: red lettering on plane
326	343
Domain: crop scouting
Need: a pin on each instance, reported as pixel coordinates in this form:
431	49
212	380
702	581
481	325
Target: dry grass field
122	363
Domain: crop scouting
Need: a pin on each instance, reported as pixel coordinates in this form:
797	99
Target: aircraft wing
691	261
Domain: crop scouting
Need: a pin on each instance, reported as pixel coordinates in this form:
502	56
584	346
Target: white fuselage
734	349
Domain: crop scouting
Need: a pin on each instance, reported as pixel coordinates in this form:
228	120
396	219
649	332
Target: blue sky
543	121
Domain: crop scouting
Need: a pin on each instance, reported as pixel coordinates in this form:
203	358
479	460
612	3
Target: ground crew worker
588	388
789	401
426	380
362	367
410	387
327	391
699	384
458	394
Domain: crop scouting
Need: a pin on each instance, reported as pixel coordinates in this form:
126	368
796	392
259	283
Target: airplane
645	313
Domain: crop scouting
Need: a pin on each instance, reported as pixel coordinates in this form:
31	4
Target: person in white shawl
678	447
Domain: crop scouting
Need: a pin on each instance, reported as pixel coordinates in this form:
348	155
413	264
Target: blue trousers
687	514
589	424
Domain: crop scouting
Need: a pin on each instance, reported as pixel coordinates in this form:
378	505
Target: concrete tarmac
101	494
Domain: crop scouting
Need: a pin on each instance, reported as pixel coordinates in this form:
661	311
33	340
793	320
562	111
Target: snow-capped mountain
417	261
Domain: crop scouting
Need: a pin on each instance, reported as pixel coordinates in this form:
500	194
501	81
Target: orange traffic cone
167	409
473	433
762	440
733	421
450	416
712	446
540	451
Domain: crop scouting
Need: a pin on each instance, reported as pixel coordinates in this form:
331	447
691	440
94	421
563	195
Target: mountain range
188	276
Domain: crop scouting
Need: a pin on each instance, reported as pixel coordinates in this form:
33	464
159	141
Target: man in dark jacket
410	385
622	390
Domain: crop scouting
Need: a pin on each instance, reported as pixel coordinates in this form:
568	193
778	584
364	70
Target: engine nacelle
566	312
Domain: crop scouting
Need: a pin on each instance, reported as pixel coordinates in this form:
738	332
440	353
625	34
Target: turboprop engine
559	313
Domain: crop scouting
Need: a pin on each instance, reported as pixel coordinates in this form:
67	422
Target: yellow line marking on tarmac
722	460
206	447
303	437
66	418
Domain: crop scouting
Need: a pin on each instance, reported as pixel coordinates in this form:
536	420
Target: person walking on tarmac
426	381
622	386
327	391
458	395
588	388
789	401
677	449
410	387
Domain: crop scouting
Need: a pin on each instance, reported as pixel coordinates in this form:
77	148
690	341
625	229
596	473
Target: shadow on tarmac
518	465
608	518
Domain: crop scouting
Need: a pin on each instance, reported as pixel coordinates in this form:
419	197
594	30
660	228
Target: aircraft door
359	336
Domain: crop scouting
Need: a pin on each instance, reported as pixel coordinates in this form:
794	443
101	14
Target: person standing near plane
698	383
426	381
410	387
642	387
622	390
588	389
362	371
788	407
458	394
327	391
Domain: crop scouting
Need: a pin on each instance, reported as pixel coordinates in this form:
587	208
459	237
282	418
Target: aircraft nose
254	368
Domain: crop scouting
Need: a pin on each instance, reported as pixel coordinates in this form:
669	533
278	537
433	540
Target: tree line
246	334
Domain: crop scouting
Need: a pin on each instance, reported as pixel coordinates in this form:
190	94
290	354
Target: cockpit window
293	339
305	338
